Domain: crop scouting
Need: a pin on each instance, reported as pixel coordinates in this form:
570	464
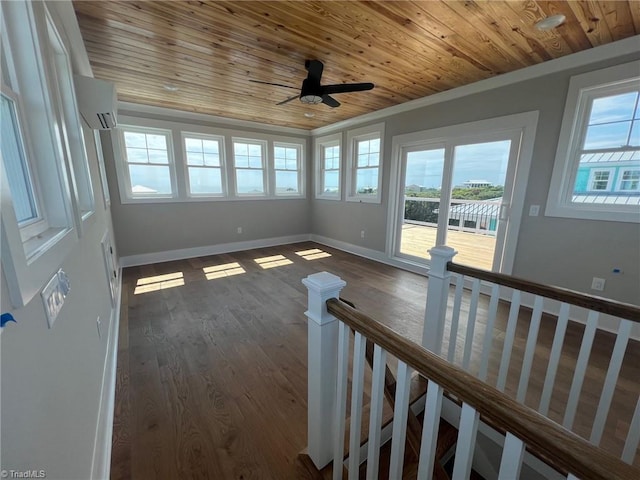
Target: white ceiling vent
97	102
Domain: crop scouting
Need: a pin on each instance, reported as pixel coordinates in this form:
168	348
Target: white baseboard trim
181	254
369	253
101	462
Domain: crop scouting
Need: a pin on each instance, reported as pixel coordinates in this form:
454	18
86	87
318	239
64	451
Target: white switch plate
534	210
597	284
53	295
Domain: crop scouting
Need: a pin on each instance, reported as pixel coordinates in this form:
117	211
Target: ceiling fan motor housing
311	91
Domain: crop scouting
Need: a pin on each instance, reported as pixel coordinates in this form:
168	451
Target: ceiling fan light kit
313	92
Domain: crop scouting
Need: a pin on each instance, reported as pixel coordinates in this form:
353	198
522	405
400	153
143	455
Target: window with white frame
249	165
61	78
598	158
328	162
204	158
364	174
287	165
37	230
148	156
629	181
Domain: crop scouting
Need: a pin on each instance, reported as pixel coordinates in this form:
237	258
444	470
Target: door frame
525	123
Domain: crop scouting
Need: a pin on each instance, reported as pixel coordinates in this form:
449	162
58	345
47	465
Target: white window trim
222	167
179	161
265	162
26	273
621	173
565	168
592	174
300	171
101	168
363	133
77	162
321	143
122	165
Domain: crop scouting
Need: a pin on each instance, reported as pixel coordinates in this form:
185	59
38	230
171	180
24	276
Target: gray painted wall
563	252
158	227
52	378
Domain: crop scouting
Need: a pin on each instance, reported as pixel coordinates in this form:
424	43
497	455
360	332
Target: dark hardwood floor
211	376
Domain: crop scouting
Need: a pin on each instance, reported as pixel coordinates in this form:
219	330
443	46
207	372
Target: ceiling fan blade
346	87
287	100
332	102
275	84
314	67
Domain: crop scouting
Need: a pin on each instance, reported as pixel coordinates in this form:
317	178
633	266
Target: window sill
627	215
36	246
364	199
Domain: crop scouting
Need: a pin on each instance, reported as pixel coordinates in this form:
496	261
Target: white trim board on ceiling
603	52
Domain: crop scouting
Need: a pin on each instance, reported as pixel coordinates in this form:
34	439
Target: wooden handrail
599	304
563	449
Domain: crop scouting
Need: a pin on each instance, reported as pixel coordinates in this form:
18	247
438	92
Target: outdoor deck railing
475	216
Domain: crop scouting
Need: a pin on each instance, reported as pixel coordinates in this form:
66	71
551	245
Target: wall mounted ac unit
97	102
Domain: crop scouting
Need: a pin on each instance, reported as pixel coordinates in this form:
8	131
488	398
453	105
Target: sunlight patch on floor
313	254
222	271
272	261
159	282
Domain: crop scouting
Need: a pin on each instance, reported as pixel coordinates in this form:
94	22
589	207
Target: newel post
437	295
322	365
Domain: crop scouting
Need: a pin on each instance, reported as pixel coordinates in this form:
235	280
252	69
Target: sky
482	161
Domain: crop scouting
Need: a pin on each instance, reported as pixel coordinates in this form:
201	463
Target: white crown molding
604	52
132	108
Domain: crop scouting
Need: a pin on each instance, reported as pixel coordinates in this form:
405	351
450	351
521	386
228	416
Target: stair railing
330	323
443	319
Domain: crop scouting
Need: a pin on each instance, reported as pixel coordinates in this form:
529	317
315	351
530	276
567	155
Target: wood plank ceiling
211	50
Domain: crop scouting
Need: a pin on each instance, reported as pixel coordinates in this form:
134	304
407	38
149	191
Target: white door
458	190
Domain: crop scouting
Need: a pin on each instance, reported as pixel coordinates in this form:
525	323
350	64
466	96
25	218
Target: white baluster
322	364
509	336
471	324
455	318
429	441
357	388
437	295
530	348
554	358
341	399
580	370
488	334
511	461
610	381
466	443
400	413
633	437
375	418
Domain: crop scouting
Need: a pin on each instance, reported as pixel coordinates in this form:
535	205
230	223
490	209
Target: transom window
598	157
286	161
248	159
148	160
204	159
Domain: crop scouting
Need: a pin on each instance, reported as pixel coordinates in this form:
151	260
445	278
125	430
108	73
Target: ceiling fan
312	92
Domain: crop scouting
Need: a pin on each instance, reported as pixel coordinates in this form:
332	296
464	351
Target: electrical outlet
53	295
598	284
361	233
239	230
